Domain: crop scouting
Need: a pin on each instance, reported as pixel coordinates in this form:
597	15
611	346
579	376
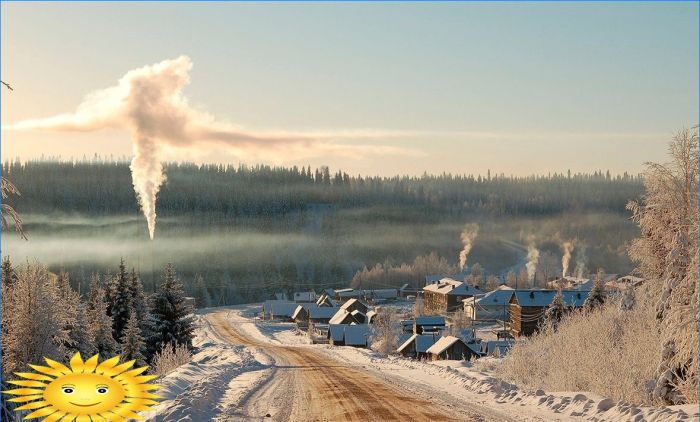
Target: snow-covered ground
221	376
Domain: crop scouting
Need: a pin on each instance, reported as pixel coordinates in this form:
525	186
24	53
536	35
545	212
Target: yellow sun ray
54	416
32	376
63	369
33	405
25	398
84	391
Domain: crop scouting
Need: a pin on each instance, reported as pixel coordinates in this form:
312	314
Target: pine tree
121	301
9	275
80	337
597	295
133	345
555	310
201	293
100	322
172	317
70	300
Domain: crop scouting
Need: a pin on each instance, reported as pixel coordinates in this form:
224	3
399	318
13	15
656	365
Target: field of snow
222	375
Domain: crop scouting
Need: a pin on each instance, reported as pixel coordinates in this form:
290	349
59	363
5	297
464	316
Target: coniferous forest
238	233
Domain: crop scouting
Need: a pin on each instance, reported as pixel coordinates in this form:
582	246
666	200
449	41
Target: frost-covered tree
596	297
419	306
201	293
173	322
80	337
133	345
511	279
120	301
492	283
9	275
667	254
555	311
35	319
100	322
386	330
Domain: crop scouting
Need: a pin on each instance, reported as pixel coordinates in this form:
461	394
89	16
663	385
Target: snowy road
304	384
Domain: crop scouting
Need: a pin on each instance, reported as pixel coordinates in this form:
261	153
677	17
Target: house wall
434	303
525	320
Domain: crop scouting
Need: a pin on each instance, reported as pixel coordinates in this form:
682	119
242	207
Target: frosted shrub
385	332
610	351
169	358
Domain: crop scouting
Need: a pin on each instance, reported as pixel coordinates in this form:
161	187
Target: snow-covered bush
609	350
385	332
169	358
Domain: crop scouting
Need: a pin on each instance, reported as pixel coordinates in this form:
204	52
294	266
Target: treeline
43	316
100	187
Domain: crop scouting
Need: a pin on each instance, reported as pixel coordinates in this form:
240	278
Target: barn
452	348
417	345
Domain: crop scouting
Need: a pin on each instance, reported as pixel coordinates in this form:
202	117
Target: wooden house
452	348
306	313
417	345
428	324
446	295
355	305
527	308
491	306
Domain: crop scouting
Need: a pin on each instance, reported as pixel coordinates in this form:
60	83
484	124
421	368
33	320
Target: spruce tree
597	295
555	310
80	333
9	275
100	322
172	316
201	293
121	301
132	343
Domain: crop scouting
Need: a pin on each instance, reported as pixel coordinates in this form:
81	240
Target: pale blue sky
519	88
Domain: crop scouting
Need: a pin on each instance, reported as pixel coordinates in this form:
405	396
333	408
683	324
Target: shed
417	345
426	324
451	348
336	334
357	335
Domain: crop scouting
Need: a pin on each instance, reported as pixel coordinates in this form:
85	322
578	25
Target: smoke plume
581	261
149	102
568	247
469	234
533	257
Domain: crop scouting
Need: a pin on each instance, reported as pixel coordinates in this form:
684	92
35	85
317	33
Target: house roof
450	286
267	305
356	335
499	297
430	320
283	309
322	312
339	316
542	298
352	301
443	344
422	342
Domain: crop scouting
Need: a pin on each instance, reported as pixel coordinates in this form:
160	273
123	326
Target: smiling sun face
85	391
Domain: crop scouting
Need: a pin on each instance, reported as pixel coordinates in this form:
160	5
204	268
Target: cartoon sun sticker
87	391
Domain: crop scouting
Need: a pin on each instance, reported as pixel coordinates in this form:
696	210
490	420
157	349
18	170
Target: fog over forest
252	231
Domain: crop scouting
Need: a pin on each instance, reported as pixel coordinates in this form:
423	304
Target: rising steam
469	234
581	261
149	103
533	257
568	247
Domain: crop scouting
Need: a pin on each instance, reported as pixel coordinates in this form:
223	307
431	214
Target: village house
348	335
267	307
305	297
306	313
282	311
527	308
355	305
417	345
326	300
343	316
446	295
452	348
491	306
428	324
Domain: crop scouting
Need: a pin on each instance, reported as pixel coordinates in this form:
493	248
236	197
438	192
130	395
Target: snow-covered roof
422	342
283	309
298	310
489	347
499	297
351	302
430	320
322	312
450	286
443	344
267	305
356	335
542	298
370	315
339	316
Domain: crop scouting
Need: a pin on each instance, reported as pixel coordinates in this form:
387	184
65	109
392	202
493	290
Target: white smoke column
149	103
469	234
533	258
581	260
568	247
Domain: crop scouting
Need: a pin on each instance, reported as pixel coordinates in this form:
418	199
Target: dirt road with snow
307	385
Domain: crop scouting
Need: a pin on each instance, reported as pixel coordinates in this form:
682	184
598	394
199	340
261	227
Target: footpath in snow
222	375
